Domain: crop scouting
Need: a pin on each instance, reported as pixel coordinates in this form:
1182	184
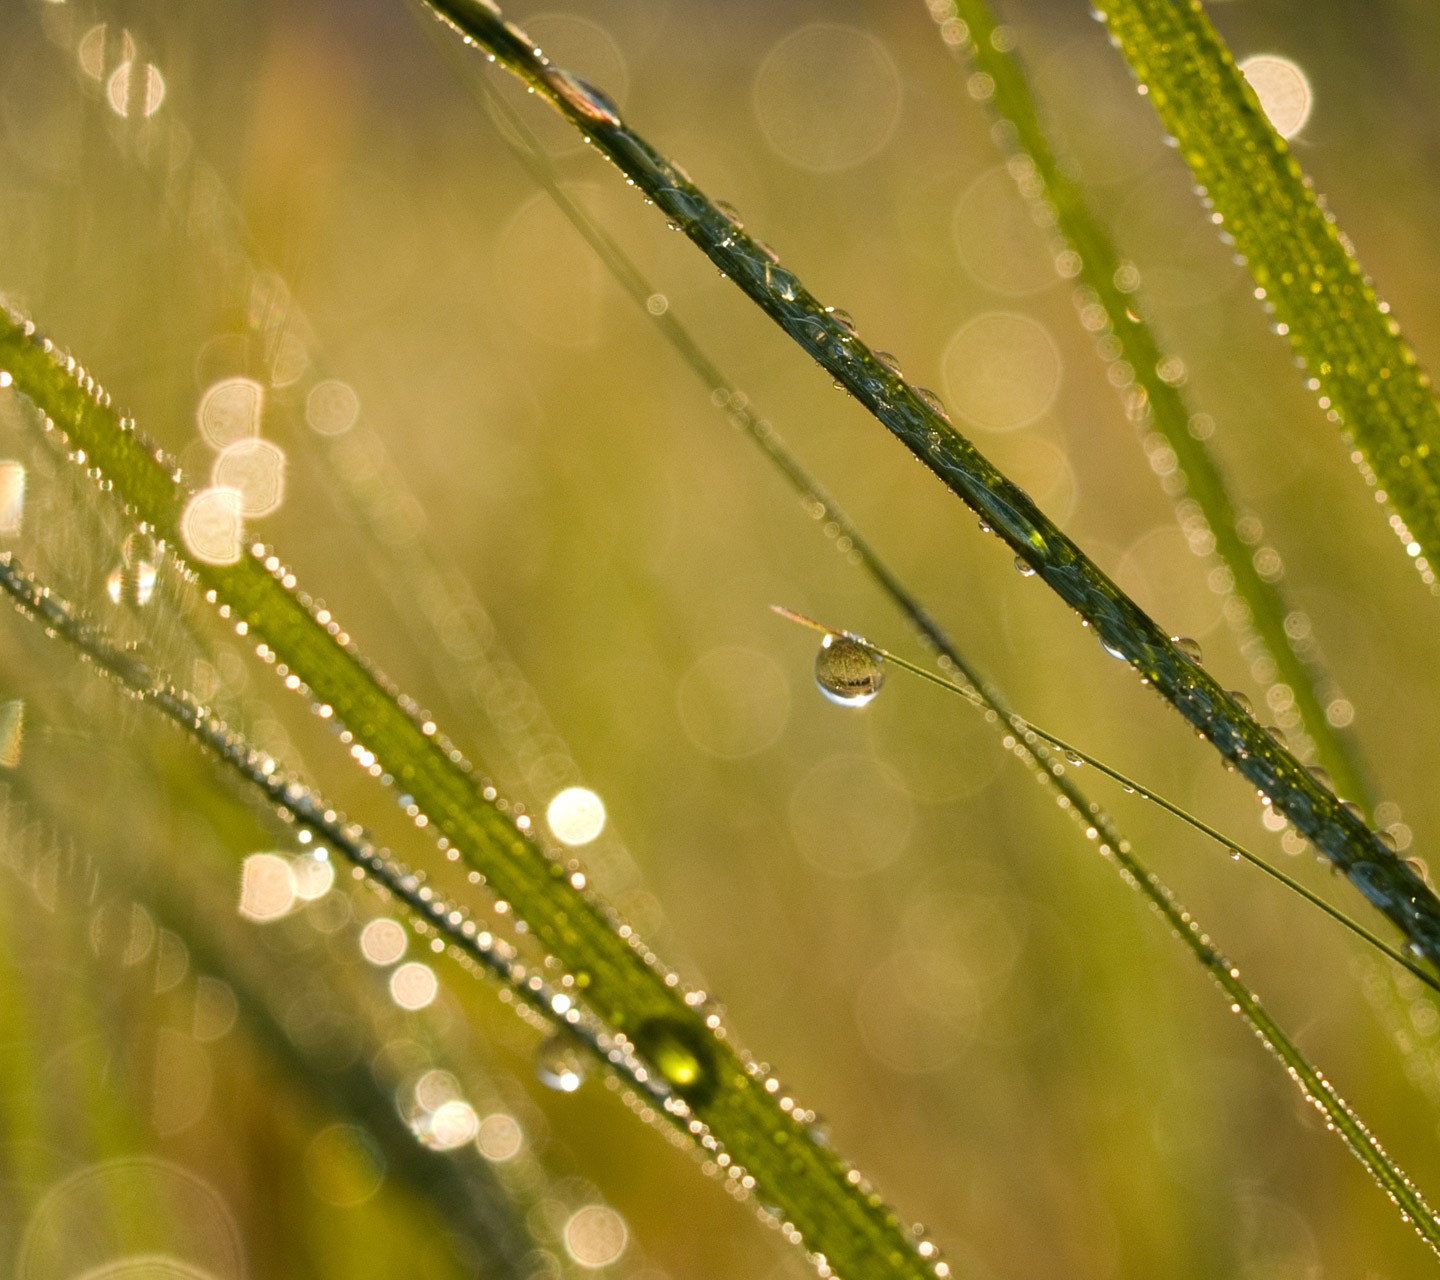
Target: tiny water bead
576	816
1189	649
560	1064
681	1054
847	672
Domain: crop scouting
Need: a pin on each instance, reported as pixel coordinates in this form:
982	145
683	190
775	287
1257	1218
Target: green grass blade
712	1092
1153	401
1368	379
1121	625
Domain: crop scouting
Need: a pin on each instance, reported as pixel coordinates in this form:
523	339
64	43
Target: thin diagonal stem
1076	755
1005	509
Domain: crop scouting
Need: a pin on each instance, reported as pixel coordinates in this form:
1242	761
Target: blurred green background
994	1028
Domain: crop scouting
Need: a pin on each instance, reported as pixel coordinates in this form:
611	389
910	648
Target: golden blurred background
304	218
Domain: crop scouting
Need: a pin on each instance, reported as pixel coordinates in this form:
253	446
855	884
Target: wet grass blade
1006	510
1150	384
711	1092
1366	376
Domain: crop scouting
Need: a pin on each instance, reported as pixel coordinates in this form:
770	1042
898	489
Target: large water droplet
890	361
681	1054
1189	649
1024	568
560	1064
1277	734
1322	776
848	673
1242	701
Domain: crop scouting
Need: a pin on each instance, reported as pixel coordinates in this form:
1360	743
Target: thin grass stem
1075	755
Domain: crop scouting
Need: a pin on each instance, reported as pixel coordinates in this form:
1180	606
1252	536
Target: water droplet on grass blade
848	673
560	1064
1242	701
1189	649
1024	568
681	1054
589	101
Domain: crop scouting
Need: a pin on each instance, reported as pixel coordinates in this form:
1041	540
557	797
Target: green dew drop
681	1055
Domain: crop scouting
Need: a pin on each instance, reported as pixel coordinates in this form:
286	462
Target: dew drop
584	97
1242	701
560	1064
848	673
731	214
933	402
888	360
1322	776
1277	734
1387	838
1109	648
1072	758
1353	809
681	1054
843	318
1189	649
1024	568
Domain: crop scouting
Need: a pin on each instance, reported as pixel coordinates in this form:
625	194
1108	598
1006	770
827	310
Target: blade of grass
711	1091
1149	386
1006	510
1367	377
1076	756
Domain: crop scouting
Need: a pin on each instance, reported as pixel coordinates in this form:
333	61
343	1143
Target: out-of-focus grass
1034	1110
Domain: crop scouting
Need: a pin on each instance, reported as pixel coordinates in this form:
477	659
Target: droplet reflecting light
846	672
576	816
